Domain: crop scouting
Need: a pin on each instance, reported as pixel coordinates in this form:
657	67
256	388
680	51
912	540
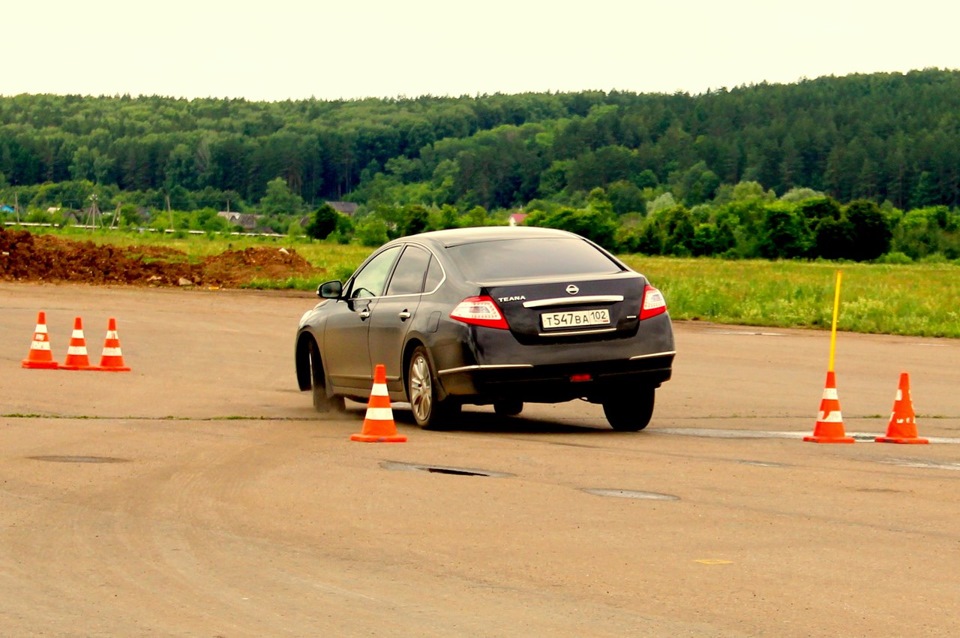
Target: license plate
575	319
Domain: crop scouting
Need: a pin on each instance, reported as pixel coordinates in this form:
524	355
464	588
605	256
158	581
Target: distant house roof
246	220
516	219
347	208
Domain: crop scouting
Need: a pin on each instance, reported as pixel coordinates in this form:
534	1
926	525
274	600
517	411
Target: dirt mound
28	257
235	267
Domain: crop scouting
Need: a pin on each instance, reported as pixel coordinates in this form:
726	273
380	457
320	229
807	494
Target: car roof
458	236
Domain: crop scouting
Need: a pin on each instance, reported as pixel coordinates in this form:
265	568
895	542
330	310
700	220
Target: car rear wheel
630	412
428	410
508	408
321	402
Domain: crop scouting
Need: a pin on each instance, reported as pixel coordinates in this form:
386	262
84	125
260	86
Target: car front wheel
630	412
428	410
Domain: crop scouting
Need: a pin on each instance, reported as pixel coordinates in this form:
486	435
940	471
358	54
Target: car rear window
530	257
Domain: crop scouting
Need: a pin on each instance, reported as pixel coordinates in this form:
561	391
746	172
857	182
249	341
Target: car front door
345	345
393	313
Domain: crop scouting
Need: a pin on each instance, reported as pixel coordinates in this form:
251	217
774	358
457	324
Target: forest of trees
820	168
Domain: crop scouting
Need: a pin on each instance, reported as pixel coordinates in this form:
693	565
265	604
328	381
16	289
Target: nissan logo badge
571	289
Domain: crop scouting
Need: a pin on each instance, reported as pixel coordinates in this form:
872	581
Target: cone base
378	438
39	365
112	368
76	367
905	440
828	439
828	432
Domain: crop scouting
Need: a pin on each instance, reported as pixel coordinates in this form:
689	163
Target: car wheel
321	402
508	408
630	412
428	410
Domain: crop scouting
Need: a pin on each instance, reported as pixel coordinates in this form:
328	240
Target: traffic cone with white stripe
40	356
77	358
829	428
111	360
902	427
378	424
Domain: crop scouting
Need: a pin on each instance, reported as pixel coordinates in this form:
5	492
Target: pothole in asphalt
440	469
650	496
78	459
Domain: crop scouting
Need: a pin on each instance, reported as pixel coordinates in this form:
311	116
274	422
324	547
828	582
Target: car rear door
393	313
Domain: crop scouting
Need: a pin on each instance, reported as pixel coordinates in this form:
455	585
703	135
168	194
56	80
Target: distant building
247	221
517	219
346	208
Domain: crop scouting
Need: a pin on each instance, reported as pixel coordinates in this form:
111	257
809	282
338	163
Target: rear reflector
653	303
580	378
480	311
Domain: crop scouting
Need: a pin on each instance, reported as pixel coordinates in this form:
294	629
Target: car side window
372	278
434	276
408	275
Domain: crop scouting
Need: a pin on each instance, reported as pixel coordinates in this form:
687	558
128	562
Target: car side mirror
330	290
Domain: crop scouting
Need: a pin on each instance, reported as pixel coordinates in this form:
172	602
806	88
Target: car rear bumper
552	383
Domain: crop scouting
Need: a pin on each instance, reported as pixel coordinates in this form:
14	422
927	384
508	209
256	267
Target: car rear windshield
530	257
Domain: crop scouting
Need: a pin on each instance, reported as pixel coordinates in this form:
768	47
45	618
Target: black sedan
490	316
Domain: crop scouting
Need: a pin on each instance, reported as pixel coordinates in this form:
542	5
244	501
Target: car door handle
404	315
364	314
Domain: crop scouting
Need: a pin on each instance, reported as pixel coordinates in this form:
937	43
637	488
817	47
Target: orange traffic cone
40	355
77	358
112	359
378	425
829	428
903	421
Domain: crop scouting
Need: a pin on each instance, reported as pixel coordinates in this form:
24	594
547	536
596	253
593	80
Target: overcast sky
293	49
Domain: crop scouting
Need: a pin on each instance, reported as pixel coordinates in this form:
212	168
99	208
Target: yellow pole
833	329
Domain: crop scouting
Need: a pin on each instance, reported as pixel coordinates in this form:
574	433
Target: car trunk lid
571	308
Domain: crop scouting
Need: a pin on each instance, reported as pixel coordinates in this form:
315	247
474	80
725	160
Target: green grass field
914	299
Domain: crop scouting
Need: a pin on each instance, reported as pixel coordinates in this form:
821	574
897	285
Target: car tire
630	411
508	408
321	402
428	410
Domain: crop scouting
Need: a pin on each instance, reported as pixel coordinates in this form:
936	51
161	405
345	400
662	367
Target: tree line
889	139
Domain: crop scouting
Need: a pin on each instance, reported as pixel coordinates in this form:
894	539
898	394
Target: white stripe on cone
380	414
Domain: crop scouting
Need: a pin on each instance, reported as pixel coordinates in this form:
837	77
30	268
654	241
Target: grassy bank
910	299
916	299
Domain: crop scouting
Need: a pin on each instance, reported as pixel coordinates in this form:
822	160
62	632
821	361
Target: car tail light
480	311
653	303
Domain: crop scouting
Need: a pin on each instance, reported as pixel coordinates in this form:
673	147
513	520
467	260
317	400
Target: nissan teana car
497	316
